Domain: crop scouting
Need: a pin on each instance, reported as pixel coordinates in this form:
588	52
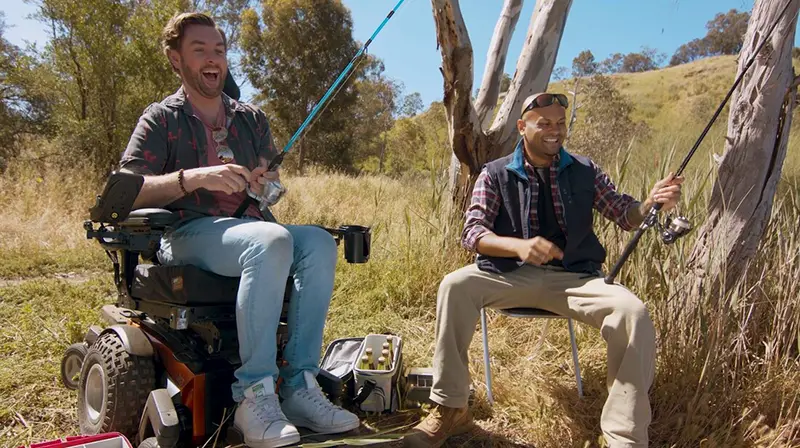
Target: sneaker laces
317	397
267	409
435	414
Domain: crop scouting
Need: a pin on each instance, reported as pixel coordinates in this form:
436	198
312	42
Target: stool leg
487	370
575	358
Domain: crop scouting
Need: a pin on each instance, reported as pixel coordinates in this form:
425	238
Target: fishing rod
680	226
274	190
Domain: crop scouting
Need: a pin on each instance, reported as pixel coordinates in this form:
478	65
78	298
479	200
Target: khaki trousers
621	317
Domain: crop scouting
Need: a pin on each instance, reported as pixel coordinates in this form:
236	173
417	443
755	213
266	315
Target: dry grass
40	226
735	389
728	370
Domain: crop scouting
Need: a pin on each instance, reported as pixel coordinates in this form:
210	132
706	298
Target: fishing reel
674	228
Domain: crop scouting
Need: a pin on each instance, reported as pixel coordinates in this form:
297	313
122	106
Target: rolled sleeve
481	213
146	152
612	204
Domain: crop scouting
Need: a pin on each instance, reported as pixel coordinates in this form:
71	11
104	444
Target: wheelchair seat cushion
156	218
183	285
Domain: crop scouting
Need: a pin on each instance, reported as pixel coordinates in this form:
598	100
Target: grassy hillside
677	103
727	366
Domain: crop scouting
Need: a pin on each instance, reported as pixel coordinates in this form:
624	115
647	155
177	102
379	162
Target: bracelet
180	182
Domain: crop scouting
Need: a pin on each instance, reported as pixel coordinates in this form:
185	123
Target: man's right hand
226	178
538	251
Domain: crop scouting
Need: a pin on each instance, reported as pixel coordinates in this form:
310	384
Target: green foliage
605	123
412	103
505	83
634	62
584	64
20	110
647	59
418	144
292	54
101	67
374	112
725	35
228	15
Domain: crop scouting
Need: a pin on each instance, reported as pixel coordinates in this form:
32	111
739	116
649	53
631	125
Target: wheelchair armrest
154	218
115	202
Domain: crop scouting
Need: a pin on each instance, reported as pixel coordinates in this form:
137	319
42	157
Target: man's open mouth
211	75
551	140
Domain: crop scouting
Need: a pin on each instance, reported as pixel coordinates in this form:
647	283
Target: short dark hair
172	34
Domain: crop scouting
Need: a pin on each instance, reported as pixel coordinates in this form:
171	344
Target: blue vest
575	180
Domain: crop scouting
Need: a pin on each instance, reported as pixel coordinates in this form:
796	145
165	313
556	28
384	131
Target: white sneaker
310	408
260	419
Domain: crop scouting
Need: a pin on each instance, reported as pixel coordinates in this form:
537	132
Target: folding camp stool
526	313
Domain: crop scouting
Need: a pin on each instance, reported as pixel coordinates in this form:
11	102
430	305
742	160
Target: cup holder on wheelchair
357	241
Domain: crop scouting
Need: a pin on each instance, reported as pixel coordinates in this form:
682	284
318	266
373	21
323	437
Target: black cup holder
357	241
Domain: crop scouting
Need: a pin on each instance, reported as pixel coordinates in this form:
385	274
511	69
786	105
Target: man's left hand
260	176
667	192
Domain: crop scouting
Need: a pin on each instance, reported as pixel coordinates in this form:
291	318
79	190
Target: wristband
180	182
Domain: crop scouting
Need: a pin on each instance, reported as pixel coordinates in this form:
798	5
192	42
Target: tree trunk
486	102
383	152
758	133
472	146
301	156
534	67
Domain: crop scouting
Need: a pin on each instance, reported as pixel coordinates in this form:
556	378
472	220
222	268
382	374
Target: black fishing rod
680	226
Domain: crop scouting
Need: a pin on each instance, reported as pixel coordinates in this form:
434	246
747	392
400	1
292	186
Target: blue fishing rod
274	190
279	158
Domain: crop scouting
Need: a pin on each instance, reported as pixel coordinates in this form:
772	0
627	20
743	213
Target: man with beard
530	223
199	150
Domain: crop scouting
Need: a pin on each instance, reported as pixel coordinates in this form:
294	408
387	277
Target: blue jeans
264	255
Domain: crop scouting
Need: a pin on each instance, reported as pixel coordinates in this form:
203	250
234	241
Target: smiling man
199	150
530	223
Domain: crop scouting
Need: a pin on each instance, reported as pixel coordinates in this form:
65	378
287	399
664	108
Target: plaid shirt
486	203
169	136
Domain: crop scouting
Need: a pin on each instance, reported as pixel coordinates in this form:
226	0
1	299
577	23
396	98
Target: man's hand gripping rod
680	225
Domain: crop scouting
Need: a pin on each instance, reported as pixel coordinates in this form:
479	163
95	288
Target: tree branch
534	68
496	60
574	113
456	49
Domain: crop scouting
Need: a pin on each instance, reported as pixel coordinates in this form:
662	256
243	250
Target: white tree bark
758	132
472	146
534	67
486	102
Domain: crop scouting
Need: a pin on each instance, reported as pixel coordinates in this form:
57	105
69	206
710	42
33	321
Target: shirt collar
178	101
519	163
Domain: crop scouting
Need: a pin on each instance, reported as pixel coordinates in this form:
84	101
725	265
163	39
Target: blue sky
407	44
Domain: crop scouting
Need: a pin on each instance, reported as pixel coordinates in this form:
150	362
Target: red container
107	440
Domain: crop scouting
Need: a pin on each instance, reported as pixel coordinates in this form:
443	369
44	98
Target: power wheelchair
160	372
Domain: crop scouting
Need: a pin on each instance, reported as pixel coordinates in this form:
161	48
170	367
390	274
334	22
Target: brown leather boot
438	426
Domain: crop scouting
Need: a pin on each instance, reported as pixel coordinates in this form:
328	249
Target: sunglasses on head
547	99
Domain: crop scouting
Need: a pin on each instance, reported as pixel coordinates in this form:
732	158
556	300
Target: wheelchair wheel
71	364
113	388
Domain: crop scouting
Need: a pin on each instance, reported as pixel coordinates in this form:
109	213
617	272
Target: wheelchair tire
71	364
113	388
